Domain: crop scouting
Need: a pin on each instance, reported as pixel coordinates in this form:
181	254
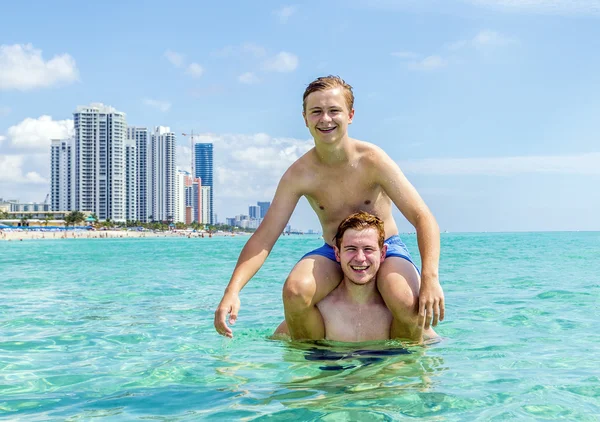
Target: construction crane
46	200
191	135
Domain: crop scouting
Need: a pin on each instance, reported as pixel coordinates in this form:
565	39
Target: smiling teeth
363	267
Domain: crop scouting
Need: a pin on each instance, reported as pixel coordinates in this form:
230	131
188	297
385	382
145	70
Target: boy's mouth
326	130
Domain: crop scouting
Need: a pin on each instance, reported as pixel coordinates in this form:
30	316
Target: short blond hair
360	221
328	82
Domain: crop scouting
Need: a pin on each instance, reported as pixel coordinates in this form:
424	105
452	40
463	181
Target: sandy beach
19	235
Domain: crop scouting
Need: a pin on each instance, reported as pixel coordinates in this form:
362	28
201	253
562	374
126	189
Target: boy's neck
336	153
360	295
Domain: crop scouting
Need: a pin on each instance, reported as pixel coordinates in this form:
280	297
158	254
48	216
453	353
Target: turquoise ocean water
122	329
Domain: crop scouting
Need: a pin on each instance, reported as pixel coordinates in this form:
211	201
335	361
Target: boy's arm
256	250
414	209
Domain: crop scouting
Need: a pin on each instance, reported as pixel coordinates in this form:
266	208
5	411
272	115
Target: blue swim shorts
395	247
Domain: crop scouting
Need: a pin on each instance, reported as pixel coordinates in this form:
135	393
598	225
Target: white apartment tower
180	204
130	180
141	137
162	171
61	174
99	173
205	205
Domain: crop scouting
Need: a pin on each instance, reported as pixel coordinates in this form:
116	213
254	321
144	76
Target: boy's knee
400	298
299	292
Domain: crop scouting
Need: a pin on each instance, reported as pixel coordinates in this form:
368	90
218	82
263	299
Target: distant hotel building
264	207
255	216
180	204
141	137
254	211
130	180
88	171
188	198
162	170
206	192
117	172
203	167
61	174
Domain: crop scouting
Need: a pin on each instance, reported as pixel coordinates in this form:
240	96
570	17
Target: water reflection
325	377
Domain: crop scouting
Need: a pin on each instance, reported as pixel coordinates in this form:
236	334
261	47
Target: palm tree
74	217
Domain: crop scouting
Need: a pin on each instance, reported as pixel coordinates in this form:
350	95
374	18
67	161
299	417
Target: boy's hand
431	302
230	304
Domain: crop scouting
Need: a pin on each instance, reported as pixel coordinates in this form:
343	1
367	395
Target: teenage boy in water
355	311
338	177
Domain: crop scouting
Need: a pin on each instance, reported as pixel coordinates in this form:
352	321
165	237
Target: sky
490	107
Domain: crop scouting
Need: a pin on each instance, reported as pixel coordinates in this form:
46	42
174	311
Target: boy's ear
337	253
383	253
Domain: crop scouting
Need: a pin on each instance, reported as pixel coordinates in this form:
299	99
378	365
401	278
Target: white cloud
562	7
195	70
11	171
254	49
248	166
2	138
35	134
484	39
158	104
183	158
285	13
282	62
428	63
586	164
176	59
248	78
405	54
22	67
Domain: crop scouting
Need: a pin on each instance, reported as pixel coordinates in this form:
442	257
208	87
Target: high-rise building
162	168
141	137
131	180
62	169
264	206
206	192
180	186
99	154
254	211
203	166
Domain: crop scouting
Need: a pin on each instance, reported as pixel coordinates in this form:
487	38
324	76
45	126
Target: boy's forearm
428	239
247	266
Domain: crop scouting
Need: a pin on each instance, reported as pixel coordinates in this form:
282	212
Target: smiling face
360	255
327	115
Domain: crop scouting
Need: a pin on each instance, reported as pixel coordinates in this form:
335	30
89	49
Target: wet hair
360	221
328	82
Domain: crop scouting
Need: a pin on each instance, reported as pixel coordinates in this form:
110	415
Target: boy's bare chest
337	196
345	322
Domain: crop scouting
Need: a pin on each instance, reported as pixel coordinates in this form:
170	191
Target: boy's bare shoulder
370	154
302	167
368	149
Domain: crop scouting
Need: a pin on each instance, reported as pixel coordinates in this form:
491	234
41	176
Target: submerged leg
312	279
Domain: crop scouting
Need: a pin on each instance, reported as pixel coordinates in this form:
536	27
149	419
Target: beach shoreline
19	235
